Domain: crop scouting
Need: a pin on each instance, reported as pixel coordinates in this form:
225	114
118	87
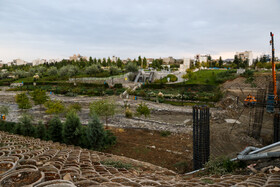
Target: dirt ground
152	147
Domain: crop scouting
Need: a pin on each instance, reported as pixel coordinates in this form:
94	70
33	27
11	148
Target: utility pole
273	66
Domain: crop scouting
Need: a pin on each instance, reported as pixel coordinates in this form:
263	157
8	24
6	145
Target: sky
31	29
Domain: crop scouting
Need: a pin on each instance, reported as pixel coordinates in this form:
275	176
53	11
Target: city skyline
57	29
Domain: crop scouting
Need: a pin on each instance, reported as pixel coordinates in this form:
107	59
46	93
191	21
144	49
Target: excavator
272	98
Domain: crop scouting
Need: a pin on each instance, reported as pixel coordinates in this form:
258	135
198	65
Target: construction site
169	148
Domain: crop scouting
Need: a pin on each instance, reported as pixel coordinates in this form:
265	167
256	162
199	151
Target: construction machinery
272	98
250	100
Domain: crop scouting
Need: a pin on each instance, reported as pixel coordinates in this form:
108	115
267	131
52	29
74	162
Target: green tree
90	60
143	109
103	108
54	131
23	101
95	132
131	67
119	63
41	131
52	71
220	62
54	107
27	129
140	62
145	62
113	70
72	129
39	97
92	70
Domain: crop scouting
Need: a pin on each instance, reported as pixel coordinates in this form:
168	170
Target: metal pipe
265	148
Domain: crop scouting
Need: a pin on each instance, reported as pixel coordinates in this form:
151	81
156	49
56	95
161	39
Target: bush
41	131
54	107
23	101
71	129
54	131
27	129
182	167
128	113
165	133
222	165
143	109
95	132
118	85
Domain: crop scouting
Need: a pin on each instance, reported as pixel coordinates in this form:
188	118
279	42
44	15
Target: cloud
58	28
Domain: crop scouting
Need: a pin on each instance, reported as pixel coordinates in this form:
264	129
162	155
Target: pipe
265	148
259	156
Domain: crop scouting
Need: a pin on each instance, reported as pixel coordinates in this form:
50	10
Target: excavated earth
26	161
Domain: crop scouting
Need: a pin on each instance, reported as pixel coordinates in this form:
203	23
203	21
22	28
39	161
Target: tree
220	62
119	63
23	101
92	70
144	62
39	97
90	60
63	72
52	71
27	129
113	70
143	109
4	110
95	132
73	71
71	129
198	65
104	63
103	108
131	67
75	107
54	131
54	107
41	131
140	62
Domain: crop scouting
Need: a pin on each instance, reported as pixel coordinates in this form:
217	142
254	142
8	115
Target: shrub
131	67
23	101
182	167
222	165
54	131
27	129
118	85
131	76
165	133
41	131
52	71
128	113
75	106
104	108
54	107
71	129
95	132
143	109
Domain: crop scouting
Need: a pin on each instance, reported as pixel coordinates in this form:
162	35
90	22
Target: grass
117	164
204	77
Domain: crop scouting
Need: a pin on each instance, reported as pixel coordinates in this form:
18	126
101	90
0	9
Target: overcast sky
32	29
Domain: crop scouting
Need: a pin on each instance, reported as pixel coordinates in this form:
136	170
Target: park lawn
204	77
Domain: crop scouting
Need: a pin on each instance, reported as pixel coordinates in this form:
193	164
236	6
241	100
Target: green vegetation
165	133
23	101
93	136
222	165
71	129
171	77
204	77
117	164
54	131
143	109
103	108
54	107
4	110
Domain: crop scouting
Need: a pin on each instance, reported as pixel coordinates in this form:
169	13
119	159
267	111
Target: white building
186	65
201	58
38	61
18	62
246	55
114	59
168	60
